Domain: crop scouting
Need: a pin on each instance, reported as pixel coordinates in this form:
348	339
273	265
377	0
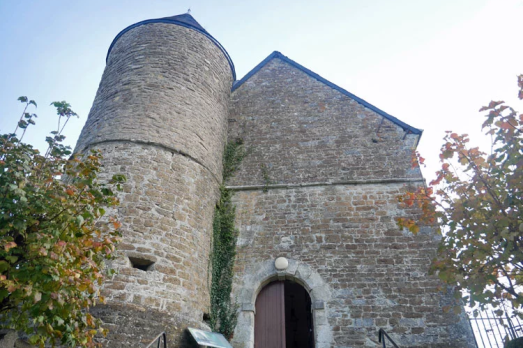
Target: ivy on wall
267	181
223	314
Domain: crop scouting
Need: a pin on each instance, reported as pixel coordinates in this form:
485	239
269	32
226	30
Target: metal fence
491	331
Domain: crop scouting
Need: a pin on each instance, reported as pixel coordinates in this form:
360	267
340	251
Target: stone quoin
318	189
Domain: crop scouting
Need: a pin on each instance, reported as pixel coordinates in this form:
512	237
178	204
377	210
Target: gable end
406	127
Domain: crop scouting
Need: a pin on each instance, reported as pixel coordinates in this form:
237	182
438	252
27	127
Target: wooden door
269	320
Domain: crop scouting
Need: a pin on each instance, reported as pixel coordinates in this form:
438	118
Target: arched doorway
283	317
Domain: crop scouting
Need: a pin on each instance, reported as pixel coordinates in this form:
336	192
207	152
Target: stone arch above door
259	275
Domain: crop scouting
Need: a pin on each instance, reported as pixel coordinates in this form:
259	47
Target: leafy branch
481	215
54	237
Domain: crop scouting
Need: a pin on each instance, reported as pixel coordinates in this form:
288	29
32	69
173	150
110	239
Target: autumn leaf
477	200
37	296
9	246
48	268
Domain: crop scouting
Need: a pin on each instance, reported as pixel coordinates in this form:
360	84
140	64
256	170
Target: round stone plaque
281	263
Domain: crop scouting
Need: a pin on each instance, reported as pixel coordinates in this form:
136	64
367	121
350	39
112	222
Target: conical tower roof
187	19
184	20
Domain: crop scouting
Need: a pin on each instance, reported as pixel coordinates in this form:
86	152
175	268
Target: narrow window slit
141	263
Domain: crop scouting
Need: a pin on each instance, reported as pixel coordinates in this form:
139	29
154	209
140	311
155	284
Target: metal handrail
381	337
158	340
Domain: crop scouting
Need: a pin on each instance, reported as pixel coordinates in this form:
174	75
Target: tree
477	200
53	239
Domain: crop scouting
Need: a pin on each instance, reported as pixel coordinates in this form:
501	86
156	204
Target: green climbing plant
223	314
267	181
233	156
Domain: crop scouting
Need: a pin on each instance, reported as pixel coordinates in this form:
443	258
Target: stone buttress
160	118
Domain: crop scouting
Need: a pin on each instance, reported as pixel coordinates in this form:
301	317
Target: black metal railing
491	331
382	335
158	340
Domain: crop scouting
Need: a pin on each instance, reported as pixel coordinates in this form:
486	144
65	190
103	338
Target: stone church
317	192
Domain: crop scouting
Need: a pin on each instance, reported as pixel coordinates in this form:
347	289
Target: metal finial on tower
189	10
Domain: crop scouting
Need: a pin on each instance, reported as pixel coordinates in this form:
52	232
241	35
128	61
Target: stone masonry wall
168	85
333	169
377	274
173	230
303	131
160	118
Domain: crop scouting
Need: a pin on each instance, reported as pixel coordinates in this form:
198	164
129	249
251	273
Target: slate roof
407	128
184	20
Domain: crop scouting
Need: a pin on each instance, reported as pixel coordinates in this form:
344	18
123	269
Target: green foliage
477	198
266	177
53	242
223	314
233	156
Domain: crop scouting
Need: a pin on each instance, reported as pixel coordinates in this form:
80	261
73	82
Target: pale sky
432	64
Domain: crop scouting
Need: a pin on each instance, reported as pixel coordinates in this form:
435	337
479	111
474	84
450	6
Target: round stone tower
160	118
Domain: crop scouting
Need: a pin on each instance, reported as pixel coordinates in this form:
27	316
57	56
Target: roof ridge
317	77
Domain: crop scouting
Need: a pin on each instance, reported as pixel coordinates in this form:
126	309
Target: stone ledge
326	183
